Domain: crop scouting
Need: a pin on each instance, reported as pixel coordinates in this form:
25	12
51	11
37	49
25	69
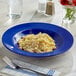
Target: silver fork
15	66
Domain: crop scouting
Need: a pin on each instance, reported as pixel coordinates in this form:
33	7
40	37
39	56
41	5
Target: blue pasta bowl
62	37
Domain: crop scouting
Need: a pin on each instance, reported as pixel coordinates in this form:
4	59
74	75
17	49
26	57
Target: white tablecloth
65	63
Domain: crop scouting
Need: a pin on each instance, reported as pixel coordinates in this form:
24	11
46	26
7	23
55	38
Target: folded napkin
19	68
46	71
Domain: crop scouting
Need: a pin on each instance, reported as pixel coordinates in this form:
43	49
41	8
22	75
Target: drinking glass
15	8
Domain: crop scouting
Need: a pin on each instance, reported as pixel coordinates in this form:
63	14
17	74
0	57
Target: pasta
38	43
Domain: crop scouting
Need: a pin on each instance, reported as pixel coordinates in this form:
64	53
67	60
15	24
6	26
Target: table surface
64	63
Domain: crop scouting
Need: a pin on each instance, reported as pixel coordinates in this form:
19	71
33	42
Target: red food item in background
74	2
67	2
64	2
